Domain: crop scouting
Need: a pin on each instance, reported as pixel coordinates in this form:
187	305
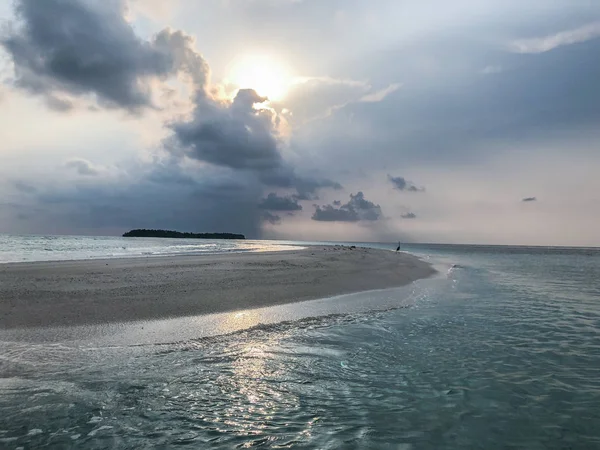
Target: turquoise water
501	350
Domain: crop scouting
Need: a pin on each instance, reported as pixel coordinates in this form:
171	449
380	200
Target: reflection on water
231	322
489	357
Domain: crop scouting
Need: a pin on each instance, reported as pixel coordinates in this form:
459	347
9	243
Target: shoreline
200	254
273	247
113	290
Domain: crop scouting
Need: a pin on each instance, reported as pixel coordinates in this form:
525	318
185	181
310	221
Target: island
180	235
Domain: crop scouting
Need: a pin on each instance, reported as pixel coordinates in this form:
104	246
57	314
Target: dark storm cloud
305	196
233	135
79	47
357	209
409	215
311	185
273	219
401	184
67	48
337	203
82	167
328	213
166	197
184	58
241	137
529	199
273	202
306	187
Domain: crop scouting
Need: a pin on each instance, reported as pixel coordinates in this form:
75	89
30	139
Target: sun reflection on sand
258	247
239	320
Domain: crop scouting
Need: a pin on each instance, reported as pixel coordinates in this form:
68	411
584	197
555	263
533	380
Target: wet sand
120	290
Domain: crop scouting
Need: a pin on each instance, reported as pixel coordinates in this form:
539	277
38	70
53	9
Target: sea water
56	248
500	350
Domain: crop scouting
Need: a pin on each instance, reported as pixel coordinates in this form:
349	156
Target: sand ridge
128	289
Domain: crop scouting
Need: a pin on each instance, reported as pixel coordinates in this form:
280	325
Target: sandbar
64	293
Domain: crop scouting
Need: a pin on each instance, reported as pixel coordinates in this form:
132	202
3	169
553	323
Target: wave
68	248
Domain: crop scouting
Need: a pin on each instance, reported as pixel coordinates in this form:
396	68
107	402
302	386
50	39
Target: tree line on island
181	235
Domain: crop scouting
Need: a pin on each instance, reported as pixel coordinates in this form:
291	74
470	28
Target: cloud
213	169
547	43
409	215
219	159
234	135
82	166
378	96
328	213
337	203
25	187
305	196
273	202
315	97
491	70
357	209
59	104
181	50
401	184
529	199
306	187
241	135
63	48
448	118
153	9
273	219
160	195
456	116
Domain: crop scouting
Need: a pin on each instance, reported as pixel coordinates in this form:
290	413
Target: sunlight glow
268	77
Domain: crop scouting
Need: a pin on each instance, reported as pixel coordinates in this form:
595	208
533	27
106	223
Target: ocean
56	248
500	350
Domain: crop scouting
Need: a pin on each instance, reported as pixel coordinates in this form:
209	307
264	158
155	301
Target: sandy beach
119	290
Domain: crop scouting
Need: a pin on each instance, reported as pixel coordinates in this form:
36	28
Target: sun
268	77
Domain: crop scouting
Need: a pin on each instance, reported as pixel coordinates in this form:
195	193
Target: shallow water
502	350
58	248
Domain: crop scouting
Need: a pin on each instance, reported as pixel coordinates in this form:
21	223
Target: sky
352	120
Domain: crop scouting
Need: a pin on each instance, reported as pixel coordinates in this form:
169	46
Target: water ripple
495	356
